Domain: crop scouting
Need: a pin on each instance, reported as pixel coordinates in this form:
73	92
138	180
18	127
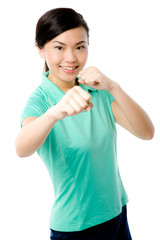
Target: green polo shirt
81	157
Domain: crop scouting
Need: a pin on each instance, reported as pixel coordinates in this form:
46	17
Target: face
66	54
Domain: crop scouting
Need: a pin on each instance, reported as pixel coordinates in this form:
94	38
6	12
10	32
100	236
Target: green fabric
81	157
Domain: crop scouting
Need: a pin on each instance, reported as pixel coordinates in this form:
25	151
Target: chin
69	78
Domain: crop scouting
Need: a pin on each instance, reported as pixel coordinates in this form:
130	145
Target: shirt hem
97	221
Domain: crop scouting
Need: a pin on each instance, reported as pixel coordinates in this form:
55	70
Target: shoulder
37	97
36	104
38	93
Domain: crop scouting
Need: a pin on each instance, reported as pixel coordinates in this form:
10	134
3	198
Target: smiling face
66	55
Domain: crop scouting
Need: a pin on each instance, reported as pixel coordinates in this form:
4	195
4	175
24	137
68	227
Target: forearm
126	111
137	118
35	131
33	135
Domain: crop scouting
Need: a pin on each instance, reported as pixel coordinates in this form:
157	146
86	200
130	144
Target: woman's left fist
92	77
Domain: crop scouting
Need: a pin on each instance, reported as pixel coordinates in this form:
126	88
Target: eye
80	47
59	48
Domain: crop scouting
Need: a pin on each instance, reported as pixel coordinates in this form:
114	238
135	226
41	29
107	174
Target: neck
63	85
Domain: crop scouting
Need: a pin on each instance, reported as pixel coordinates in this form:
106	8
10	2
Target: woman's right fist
75	101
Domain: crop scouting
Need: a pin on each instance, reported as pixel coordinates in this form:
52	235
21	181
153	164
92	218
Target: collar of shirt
55	92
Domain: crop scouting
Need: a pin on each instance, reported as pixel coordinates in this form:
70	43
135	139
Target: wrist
52	115
55	113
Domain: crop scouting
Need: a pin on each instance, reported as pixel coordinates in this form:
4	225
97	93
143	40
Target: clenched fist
92	77
75	101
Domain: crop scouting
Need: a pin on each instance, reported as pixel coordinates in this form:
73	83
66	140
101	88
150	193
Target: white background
125	45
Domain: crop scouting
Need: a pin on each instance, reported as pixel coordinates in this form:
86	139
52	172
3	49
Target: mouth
69	69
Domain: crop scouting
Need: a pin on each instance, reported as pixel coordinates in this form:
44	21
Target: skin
70	49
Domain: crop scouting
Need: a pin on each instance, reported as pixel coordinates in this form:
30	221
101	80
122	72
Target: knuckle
70	111
93	68
85	105
75	87
80	108
69	91
67	98
88	97
72	91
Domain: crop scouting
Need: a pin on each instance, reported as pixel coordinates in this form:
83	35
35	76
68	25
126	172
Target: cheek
84	59
53	60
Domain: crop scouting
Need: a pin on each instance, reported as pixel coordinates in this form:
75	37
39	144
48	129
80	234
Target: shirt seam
77	194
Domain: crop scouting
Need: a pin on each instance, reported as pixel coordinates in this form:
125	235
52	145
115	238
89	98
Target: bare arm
33	134
35	130
126	111
130	115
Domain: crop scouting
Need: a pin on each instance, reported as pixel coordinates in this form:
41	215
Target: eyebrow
65	44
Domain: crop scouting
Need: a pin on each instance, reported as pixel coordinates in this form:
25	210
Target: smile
69	69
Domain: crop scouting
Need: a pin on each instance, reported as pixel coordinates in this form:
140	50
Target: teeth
69	68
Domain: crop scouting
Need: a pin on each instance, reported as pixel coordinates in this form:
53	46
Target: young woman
70	122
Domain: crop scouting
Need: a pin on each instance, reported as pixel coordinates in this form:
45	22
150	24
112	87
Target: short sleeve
111	98
107	97
36	105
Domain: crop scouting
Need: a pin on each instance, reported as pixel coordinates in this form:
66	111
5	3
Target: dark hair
55	22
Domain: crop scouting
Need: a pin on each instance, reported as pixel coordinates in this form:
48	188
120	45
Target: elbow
150	137
150	133
19	150
20	153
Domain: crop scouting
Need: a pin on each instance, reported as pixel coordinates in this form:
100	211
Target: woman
70	122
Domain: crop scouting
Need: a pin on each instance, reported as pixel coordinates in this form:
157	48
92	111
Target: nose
70	56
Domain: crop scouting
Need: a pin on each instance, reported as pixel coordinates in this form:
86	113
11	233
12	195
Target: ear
40	51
